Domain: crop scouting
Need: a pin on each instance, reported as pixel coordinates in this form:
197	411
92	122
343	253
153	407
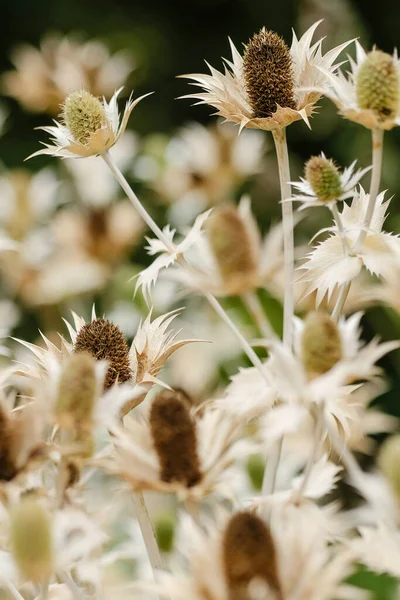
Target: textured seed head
321	344
174	438
164	528
268	74
8	467
248	553
83	115
105	341
76	391
389	462
31	540
324	178
377	85
230	243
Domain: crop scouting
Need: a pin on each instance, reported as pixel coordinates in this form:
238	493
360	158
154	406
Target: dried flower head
105	341
249	555
174	436
265	88
268	73
321	344
31	540
77	391
91	126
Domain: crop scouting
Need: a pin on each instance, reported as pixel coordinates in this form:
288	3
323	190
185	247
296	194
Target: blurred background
73	240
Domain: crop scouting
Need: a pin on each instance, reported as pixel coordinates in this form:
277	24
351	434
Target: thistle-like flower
323	183
370	94
264	88
88	126
329	266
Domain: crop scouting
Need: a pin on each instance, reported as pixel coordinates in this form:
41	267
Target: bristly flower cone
105	341
174	438
378	85
83	115
324	178
248	552
321	344
268	73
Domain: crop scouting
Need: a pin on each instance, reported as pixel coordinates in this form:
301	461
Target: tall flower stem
252	356
253	305
377	152
147	530
282	154
318	438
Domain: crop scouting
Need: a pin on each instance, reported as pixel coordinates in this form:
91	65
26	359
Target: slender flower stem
339	223
279	136
148	533
12	590
71	585
171	248
377	152
318	437
253	305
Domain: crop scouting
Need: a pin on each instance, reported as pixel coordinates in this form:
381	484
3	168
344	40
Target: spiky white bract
167	256
218	447
342	91
227	91
64	145
349	178
329	265
378	548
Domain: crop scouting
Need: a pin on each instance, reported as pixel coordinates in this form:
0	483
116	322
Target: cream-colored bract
65	146
227	91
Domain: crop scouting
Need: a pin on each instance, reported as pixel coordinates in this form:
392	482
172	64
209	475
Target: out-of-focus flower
329	265
265	88
44	76
205	165
323	183
91	127
370	95
3	118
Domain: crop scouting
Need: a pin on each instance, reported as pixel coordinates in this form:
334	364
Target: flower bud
321	344
249	553
83	115
105	341
31	540
377	85
268	74
389	462
76	391
231	245
324	178
164	529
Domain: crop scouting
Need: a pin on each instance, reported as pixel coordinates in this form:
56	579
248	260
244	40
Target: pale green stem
147	530
171	248
279	136
339	223
318	438
253	305
377	148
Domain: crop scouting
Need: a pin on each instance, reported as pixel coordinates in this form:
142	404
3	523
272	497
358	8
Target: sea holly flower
88	126
323	183
329	265
265	88
370	94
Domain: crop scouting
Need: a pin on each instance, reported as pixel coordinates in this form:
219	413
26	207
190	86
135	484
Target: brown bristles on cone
249	554
268	74
105	341
8	468
174	438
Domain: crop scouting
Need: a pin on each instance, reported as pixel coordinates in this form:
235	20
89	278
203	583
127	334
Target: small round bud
248	552
174	438
164	529
389	462
76	391
268	74
231	246
321	344
324	178
105	341
83	115
31	540
377	85
255	470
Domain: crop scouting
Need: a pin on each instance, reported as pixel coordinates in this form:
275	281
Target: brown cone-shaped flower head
378	85
268	74
248	553
105	341
174	438
231	246
324	177
321	344
8	468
